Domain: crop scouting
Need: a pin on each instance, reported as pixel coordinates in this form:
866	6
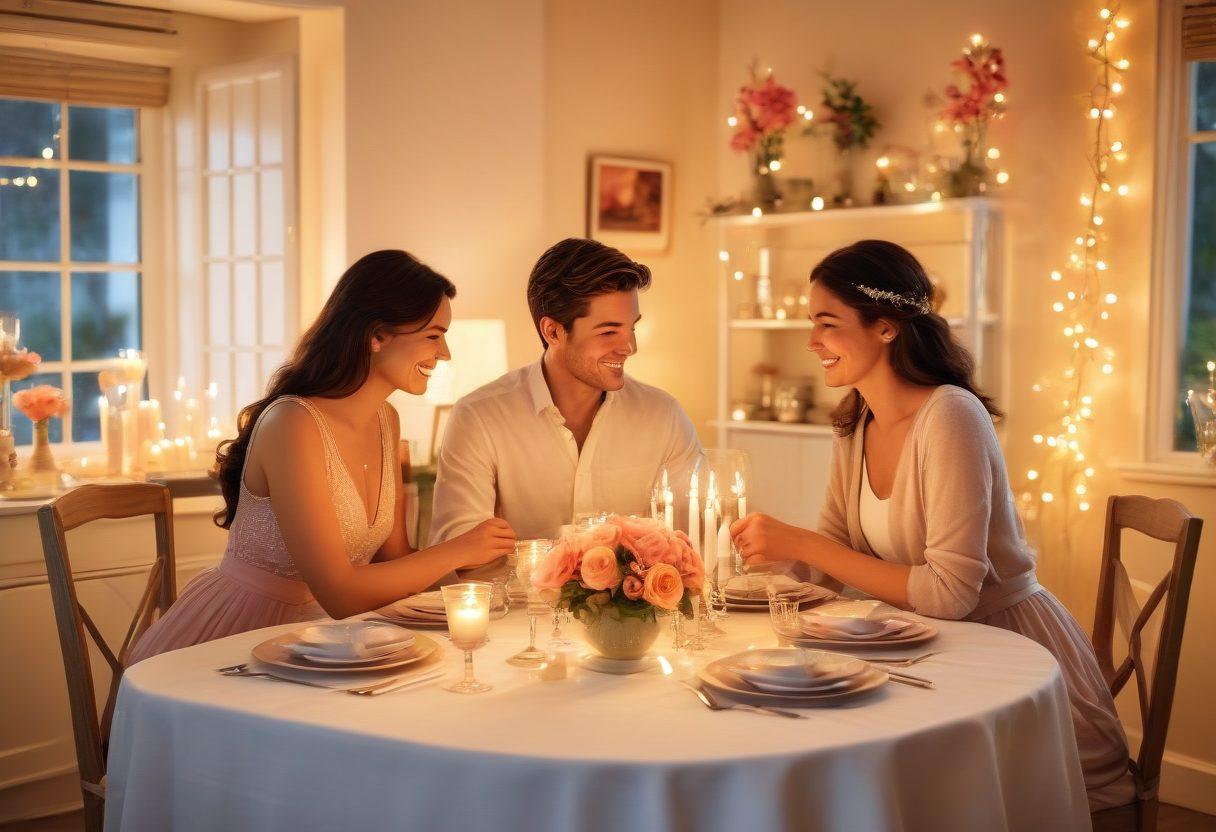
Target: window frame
149	124
1173	181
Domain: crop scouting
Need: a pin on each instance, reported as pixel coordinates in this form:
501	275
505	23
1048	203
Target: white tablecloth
991	748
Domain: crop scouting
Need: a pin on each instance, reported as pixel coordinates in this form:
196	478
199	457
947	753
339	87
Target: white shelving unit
960	243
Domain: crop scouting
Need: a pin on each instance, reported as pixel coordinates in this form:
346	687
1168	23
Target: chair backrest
75	508
1169	521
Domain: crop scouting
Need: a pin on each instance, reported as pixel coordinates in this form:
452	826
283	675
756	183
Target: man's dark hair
570	273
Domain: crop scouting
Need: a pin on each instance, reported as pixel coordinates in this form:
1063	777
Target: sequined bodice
255	537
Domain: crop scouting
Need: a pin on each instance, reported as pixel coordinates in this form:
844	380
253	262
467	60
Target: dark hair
384	289
925	351
570	273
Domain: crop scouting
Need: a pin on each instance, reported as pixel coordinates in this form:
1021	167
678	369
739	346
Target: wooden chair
1169	521
72	510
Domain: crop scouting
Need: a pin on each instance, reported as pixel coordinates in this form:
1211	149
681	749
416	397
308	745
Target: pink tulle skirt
1100	739
231	598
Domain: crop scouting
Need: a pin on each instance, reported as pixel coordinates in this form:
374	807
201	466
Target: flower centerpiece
851	122
40	404
763	111
15	365
617	577
970	109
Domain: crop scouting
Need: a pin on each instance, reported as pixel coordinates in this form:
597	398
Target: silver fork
397	684
904	662
714	705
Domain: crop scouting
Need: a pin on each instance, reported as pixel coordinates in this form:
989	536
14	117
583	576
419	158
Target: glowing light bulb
882	163
1080	489
1092	343
1111	297
774	165
1068	332
1107	369
738	275
1094	112
817	204
1032	474
47	153
1123	63
1086	201
977	39
999	98
1123	190
1084	506
1047	496
1123	23
723	256
1057	307
1002	177
1038	438
1116	87
1110	36
1056	276
1104	14
756	212
994	153
1108	113
1091	43
731	121
1089	472
1098	219
1100	265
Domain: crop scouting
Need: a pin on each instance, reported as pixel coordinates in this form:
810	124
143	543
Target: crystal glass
468	611
783	615
528	554
1203	412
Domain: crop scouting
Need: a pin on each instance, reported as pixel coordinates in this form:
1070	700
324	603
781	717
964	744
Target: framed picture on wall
629	203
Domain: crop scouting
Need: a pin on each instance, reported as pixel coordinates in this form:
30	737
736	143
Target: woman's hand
762	538
489	540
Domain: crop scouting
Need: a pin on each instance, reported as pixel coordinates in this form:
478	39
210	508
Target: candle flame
738	486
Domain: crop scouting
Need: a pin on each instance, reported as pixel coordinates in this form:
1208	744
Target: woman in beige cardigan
919	512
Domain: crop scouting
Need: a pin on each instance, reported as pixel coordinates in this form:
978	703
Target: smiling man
570	433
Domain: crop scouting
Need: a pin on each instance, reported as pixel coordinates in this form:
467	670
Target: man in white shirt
569	434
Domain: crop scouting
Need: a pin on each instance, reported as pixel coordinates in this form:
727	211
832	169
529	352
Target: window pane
1200	344
29	128
29	214
86	421
105	314
23	428
105	217
1205	95
103	134
34	298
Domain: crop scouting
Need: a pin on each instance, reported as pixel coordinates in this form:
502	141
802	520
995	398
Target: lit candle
111	435
741	493
129	420
668	507
468	622
710	554
726	559
694	515
213	390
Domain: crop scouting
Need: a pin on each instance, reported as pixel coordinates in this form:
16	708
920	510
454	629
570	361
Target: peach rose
606	534
599	569
663	587
16	366
41	402
558	567
653	548
632	587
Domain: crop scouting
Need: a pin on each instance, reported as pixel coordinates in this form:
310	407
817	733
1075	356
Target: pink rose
557	567
599	568
632	587
41	402
16	366
663	587
653	548
606	534
692	570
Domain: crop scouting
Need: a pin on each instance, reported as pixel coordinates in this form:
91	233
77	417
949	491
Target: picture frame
629	203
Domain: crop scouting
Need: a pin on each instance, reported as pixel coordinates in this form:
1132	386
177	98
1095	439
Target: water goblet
783	615
528	557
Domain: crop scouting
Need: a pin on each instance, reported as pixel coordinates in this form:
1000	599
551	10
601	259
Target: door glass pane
1200	322
34	298
103	134
105	217
105	314
29	214
1205	95
86	421
29	128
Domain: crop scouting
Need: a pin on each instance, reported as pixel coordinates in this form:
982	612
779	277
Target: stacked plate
792	677
425	611
345	647
819	630
750	592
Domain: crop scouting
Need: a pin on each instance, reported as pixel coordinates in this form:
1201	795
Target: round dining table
990	747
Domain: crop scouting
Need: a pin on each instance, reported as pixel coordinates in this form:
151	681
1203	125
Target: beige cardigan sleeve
833	519
957	452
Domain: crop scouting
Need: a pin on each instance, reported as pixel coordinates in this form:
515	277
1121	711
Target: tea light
468	612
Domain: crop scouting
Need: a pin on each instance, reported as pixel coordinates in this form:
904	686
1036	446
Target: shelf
797	428
872	212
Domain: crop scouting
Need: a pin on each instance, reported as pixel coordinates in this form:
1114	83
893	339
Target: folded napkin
351	640
757	586
796	668
851	629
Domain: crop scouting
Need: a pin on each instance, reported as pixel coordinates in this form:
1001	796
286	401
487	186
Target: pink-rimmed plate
276	651
721	677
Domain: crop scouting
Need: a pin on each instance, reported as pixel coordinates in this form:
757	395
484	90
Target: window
1198	302
70	250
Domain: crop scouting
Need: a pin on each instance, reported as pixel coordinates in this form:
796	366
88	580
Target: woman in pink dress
315	514
919	511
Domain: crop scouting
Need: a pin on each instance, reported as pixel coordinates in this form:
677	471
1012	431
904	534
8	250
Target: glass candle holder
468	610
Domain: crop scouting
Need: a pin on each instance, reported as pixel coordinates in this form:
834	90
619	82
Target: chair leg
1148	815
94	812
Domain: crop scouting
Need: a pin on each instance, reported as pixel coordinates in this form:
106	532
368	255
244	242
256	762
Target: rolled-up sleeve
956	484
465	491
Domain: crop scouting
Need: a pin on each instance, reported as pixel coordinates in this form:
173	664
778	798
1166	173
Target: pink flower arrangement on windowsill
637	565
41	402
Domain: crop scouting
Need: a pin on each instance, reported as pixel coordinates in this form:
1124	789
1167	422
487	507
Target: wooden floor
1172	819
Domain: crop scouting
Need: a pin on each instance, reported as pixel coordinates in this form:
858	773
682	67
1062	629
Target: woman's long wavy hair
925	351
384	290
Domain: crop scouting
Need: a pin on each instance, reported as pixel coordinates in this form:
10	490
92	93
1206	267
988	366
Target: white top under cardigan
951	512
875	515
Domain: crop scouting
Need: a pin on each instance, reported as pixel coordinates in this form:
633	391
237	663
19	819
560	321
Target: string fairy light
1085	303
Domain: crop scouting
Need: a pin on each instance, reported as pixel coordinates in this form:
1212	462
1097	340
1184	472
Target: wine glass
528	554
468	611
783	615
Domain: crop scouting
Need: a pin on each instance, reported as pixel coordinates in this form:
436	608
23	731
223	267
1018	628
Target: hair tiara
920	303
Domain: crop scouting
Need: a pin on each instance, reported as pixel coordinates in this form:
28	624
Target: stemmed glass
468	611
528	554
783	615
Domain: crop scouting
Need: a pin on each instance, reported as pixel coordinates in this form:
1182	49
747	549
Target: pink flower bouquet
41	402
637	565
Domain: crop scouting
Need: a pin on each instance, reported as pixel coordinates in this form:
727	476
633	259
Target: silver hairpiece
918	302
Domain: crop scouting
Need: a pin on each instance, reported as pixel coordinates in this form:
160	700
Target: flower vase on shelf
970	177
765	192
